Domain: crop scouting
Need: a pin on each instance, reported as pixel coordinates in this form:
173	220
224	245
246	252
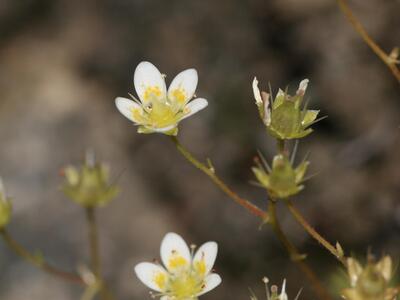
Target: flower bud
284	117
273	292
5	207
89	186
282	180
370	282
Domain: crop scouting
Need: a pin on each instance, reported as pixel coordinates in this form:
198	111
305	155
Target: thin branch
93	241
95	253
387	59
210	172
302	221
38	262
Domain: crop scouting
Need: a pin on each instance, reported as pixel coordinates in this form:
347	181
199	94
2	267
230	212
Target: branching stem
294	254
38	262
302	221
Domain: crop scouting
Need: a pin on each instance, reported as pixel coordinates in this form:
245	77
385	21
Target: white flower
157	109
185	276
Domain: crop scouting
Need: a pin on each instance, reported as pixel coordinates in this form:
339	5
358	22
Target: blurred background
62	63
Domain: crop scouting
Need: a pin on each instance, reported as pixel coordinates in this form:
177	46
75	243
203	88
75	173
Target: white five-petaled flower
185	276
159	109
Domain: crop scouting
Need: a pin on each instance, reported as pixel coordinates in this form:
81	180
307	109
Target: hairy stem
210	172
38	261
294	254
390	62
302	221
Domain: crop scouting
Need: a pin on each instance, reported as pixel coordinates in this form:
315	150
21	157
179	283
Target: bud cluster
285	118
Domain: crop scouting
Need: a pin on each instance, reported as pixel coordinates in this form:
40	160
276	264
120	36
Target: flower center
158	113
186	285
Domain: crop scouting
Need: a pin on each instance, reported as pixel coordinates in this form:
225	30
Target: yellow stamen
151	91
160	279
179	95
137	114
200	267
177	261
186	286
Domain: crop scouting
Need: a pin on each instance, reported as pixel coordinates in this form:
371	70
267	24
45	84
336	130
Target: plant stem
390	62
210	172
294	254
37	261
93	241
95	253
302	221
281	146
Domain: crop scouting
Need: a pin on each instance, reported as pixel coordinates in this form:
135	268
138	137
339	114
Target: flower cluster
284	117
159	110
185	275
370	282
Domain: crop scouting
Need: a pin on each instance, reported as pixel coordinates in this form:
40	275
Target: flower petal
354	269
205	256
152	275
183	86
283	295
210	282
194	106
303	87
256	92
149	82
175	253
126	107
169	130
385	266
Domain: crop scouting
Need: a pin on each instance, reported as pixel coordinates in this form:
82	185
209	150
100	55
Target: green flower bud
286	119
5	207
89	186
282	180
370	282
